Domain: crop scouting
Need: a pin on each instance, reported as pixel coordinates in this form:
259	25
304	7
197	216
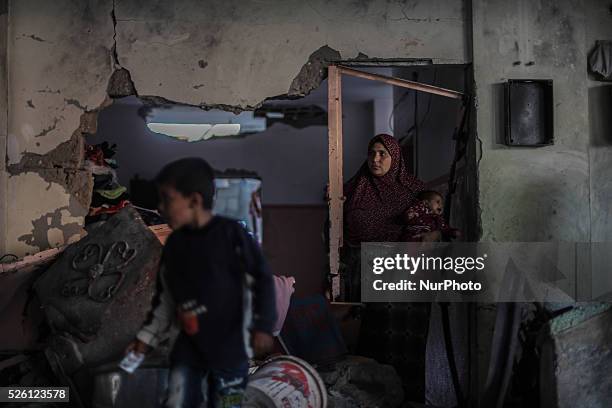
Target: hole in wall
284	143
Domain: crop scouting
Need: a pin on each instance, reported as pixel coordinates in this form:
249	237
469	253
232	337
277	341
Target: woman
376	197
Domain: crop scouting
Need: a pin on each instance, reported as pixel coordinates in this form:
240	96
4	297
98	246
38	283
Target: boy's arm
264	301
160	318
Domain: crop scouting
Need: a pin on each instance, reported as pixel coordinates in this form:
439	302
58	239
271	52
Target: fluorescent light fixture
275	115
193	132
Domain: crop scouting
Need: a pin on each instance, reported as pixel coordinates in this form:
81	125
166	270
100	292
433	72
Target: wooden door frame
335	156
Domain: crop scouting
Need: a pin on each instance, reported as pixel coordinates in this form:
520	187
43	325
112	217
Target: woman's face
379	160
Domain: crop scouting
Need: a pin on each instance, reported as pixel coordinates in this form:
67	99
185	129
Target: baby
426	216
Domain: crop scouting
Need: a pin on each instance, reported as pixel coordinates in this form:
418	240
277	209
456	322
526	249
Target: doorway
436	148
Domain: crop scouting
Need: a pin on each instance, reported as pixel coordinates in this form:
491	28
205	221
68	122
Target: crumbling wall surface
599	16
59	62
3	122
239	52
530	194
576	355
533	194
232	53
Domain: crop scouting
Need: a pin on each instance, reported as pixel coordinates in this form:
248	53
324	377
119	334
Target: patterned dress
419	219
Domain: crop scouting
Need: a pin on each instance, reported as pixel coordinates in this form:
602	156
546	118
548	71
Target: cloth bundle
283	289
108	196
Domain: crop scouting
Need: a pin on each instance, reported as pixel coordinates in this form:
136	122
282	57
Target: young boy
426	216
209	271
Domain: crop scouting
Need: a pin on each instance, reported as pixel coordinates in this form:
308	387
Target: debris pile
94	297
95	294
359	382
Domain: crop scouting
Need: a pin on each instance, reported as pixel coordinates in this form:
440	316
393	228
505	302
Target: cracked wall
235	54
600	152
600	122
533	194
59	64
3	123
554	193
238	53
231	54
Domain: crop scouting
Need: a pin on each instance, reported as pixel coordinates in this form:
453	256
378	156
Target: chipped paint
72	64
63	73
30	218
533	194
314	71
120	84
256	52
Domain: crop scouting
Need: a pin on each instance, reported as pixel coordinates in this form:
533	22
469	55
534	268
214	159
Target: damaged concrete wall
3	122
240	52
599	15
533	194
61	55
600	106
59	62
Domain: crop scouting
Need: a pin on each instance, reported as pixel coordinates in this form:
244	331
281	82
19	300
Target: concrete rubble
359	382
94	297
95	294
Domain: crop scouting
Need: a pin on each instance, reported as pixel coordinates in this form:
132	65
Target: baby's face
436	205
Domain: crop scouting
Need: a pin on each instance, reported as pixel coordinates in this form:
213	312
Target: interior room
281	139
380	203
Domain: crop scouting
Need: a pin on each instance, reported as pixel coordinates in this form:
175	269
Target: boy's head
434	200
186	189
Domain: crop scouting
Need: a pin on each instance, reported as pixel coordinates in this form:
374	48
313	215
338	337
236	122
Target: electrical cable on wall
425	116
415	126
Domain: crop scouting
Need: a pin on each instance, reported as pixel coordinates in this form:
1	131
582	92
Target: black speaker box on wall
529	112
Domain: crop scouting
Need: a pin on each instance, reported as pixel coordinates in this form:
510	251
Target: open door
335	149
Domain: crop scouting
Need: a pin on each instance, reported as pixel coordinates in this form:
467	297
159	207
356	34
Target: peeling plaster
241	71
32	237
63	165
60	62
33	37
74	102
46	131
55	236
151	101
104	49
314	71
120	84
533	194
48	90
51	230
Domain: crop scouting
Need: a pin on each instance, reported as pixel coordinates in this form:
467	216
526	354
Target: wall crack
51	128
114	49
74	102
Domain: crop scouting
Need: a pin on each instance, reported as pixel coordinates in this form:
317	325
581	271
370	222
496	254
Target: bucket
285	382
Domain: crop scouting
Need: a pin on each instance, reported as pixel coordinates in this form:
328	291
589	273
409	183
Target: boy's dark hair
428	195
189	175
